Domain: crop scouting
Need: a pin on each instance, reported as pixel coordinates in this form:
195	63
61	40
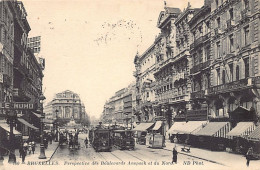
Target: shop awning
143	126
216	129
27	124
176	127
242	129
6	127
157	125
193	127
37	114
255	135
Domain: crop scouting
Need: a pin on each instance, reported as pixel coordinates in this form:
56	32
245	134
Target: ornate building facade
120	108
235	57
200	62
65	106
6	50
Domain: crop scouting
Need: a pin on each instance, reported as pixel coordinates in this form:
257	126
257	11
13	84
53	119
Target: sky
89	45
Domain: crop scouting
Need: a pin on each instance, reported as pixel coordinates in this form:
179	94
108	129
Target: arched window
237	73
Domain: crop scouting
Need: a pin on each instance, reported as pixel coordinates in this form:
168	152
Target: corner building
235	60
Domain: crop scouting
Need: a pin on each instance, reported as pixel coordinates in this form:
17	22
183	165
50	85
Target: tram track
133	156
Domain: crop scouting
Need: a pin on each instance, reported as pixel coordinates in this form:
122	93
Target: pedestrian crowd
28	147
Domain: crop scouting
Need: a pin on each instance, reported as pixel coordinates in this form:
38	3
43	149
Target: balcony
230	23
217	31
198	94
197	114
206	37
199	67
7	80
233	86
245	14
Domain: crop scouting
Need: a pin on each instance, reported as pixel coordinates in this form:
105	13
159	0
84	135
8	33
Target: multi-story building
20	73
120	108
235	59
165	56
65	106
200	62
35	44
145	84
6	51
27	77
181	66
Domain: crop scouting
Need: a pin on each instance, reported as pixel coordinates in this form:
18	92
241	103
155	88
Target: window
207	26
246	31
218	76
231	14
231	43
217	3
246	2
218	49
147	94
237	73
223	77
246	61
218	22
207	52
231	72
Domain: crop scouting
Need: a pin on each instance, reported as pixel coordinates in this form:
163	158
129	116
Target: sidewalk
220	157
34	157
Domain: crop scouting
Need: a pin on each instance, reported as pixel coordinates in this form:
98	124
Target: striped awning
215	129
242	129
157	125
255	135
143	126
27	124
176	128
193	127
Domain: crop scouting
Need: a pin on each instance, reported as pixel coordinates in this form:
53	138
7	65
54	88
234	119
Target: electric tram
124	139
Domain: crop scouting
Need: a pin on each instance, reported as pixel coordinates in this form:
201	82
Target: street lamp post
56	125
11	116
42	149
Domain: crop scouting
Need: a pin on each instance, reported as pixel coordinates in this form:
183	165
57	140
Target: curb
54	152
198	157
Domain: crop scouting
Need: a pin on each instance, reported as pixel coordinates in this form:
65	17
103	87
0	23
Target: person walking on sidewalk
23	155
50	138
30	148
21	149
174	155
33	147
249	155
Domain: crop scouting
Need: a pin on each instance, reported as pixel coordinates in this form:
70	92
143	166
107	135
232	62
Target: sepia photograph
129	84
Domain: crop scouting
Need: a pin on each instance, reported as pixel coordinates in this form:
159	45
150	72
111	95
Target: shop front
238	136
213	136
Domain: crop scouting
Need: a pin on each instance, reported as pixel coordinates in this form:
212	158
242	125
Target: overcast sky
89	45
